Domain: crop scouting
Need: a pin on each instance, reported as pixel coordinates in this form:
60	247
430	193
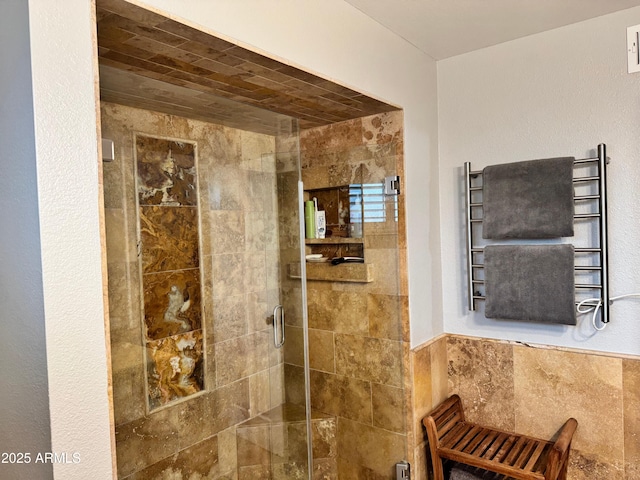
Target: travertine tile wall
239	258
358	332
533	390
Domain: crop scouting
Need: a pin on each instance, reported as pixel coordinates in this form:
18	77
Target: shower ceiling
152	62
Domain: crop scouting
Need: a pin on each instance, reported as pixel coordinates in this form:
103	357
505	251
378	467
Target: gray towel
534	283
532	199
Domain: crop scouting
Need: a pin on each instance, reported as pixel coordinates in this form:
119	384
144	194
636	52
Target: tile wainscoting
533	390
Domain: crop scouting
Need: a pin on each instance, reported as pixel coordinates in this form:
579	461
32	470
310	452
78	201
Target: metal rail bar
576	216
577	268
576	250
585	160
468	188
604	234
586	179
577	161
586	304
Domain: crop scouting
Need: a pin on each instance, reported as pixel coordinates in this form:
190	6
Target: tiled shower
203	238
201	243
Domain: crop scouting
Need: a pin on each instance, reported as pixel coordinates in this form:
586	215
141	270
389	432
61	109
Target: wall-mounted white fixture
108	150
633	55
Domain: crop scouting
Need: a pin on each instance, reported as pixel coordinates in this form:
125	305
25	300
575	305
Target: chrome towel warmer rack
473	200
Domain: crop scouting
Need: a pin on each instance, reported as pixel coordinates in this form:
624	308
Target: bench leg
438	471
563	470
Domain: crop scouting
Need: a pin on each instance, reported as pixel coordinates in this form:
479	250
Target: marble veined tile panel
175	368
166	172
169	238
172	303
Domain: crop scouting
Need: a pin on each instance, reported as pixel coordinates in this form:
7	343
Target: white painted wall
24	406
553	94
330	38
63	66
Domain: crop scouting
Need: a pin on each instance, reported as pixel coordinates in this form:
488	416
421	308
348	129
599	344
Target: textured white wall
24	405
553	94
70	203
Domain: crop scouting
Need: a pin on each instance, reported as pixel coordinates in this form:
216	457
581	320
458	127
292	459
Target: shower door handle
278	318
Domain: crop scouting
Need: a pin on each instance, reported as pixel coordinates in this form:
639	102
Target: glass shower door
274	443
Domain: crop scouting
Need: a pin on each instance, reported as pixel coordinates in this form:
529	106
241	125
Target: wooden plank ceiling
153	62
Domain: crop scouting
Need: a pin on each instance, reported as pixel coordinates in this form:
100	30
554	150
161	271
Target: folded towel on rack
533	283
532	199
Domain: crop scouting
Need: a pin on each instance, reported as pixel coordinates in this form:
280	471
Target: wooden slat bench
516	456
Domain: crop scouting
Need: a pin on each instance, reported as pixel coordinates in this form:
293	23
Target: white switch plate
633	56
